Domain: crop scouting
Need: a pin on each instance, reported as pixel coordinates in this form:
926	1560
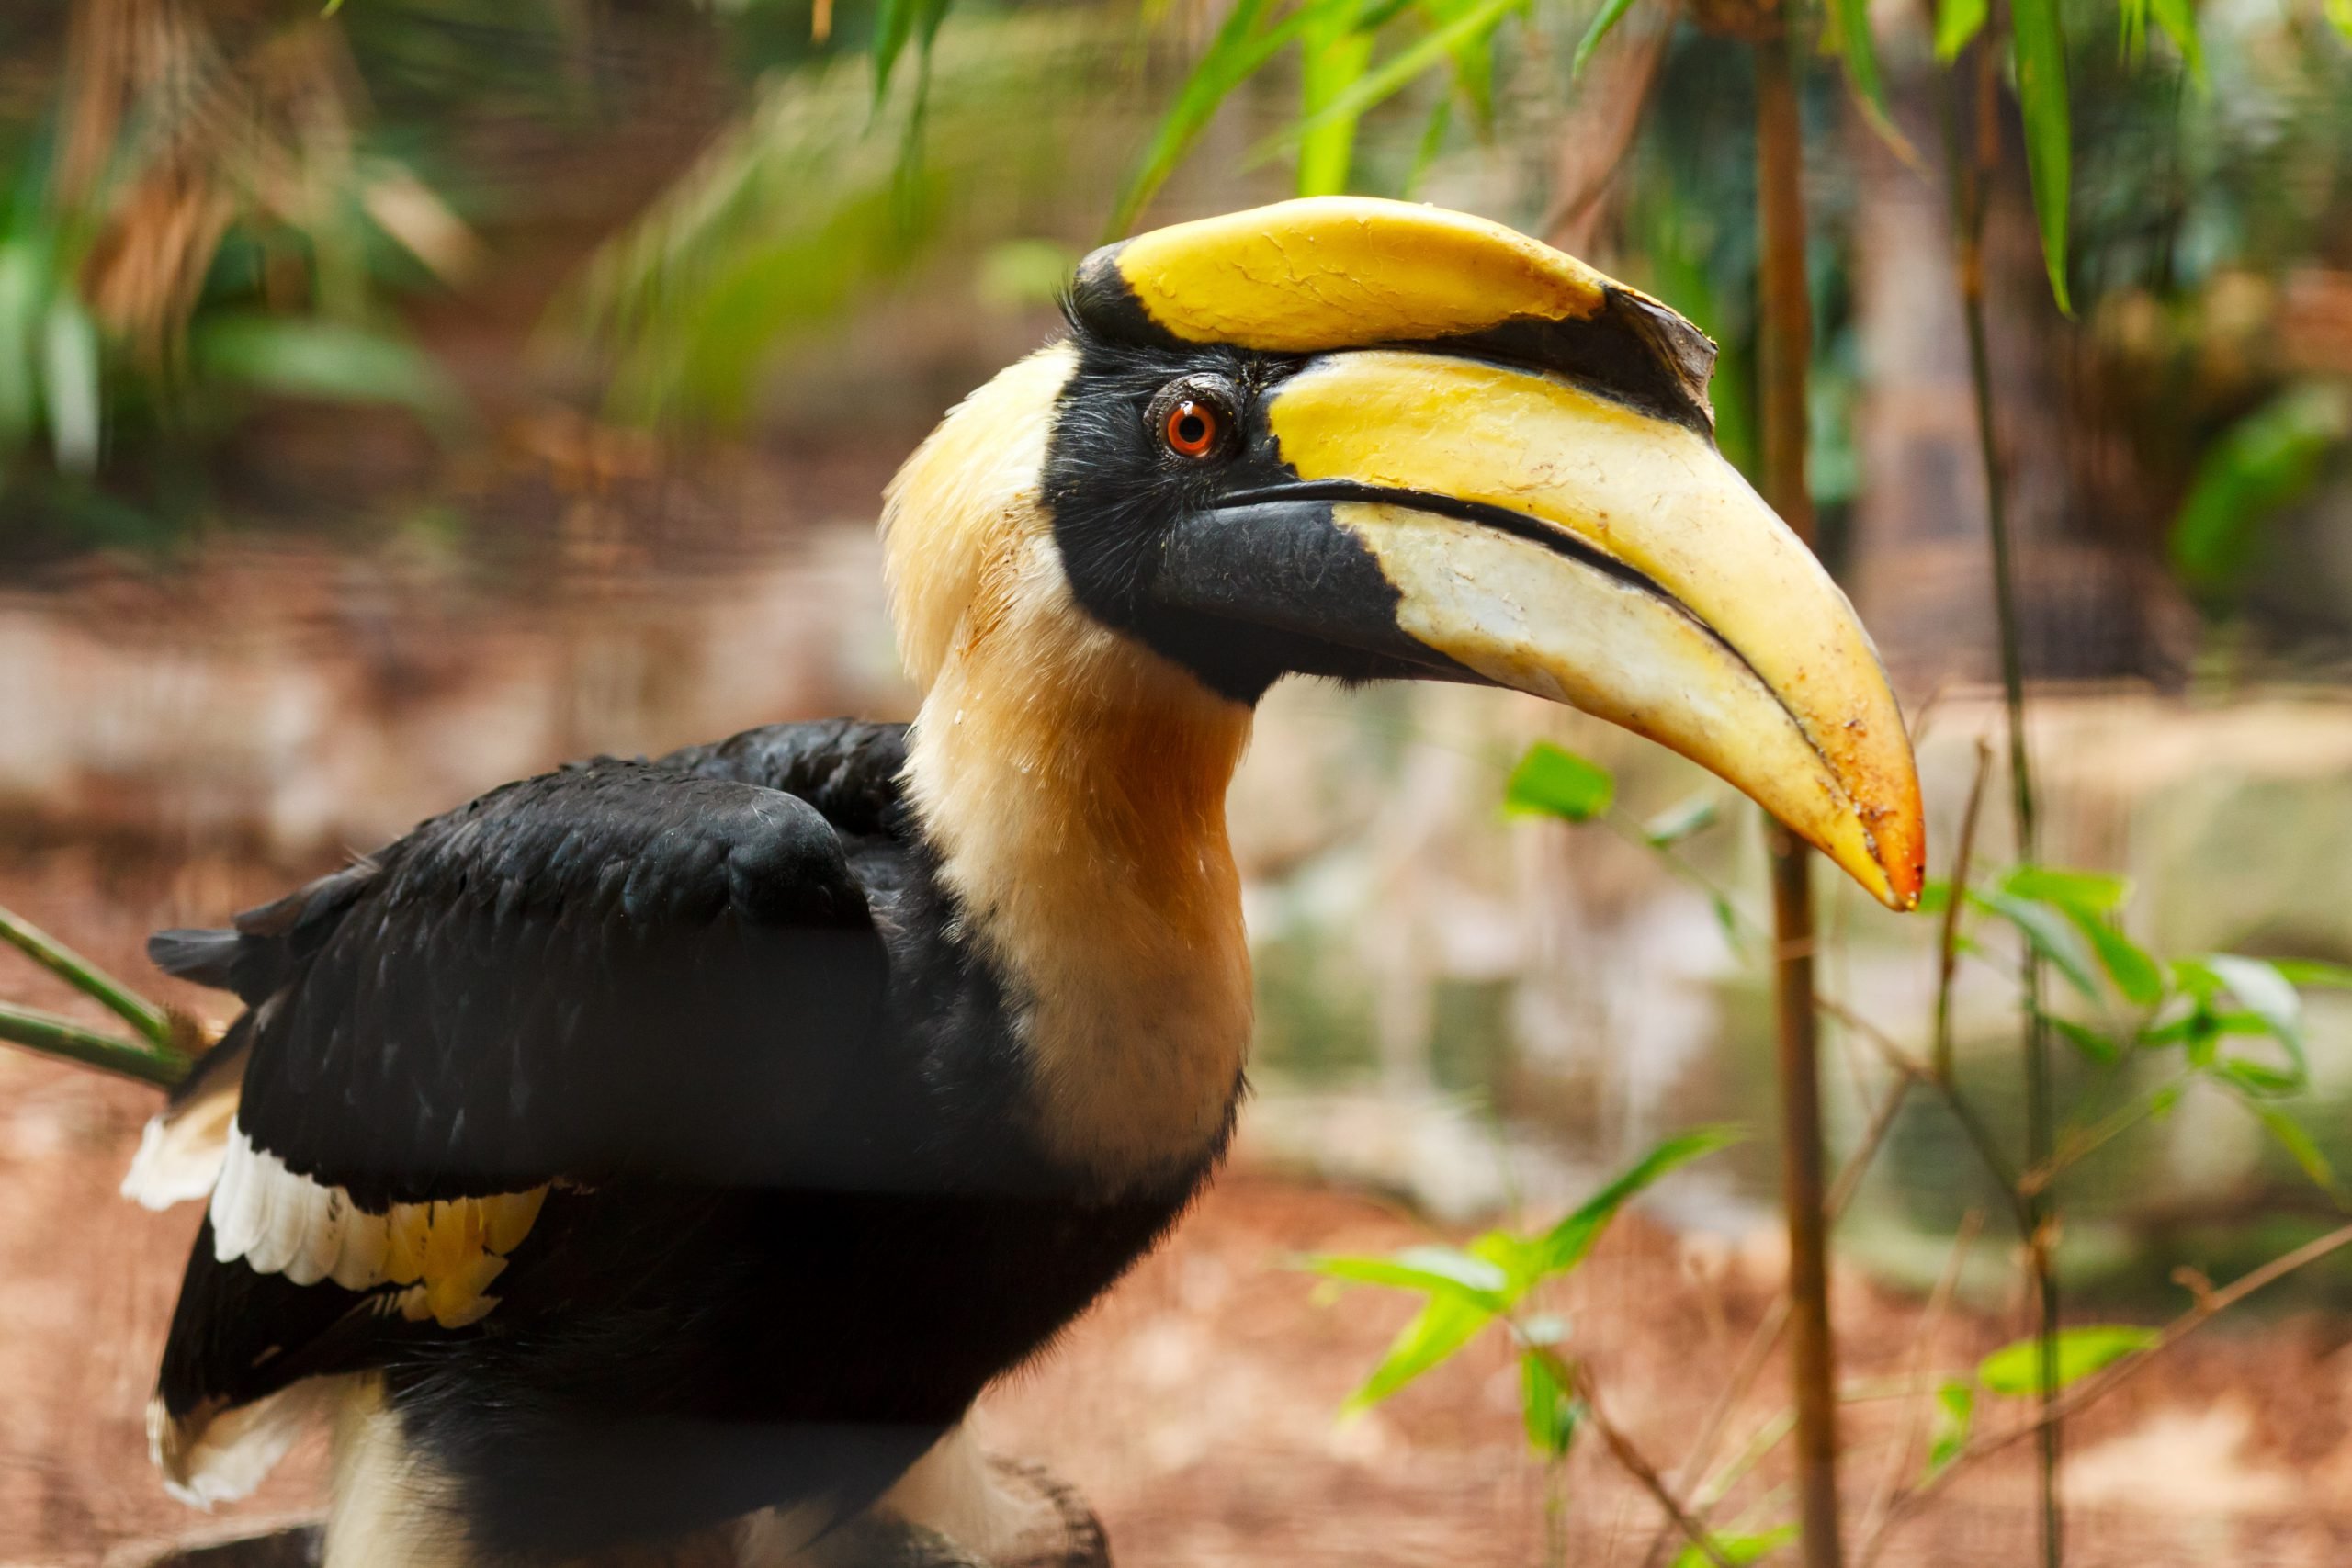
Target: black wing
618	971
607	969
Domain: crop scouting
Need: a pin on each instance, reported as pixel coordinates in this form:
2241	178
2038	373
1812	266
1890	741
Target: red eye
1191	429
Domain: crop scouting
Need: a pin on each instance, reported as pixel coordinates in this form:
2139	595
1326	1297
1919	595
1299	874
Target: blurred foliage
1342	74
2263	463
824	194
2148	1032
209	208
197	220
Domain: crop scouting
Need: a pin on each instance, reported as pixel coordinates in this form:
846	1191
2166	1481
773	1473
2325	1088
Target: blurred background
403	398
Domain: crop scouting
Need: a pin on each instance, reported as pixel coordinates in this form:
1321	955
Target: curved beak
1461	518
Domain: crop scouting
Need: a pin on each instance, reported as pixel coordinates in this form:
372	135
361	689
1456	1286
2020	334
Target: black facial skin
1157	545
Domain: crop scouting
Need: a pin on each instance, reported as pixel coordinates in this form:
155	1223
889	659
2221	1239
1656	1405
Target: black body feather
800	1216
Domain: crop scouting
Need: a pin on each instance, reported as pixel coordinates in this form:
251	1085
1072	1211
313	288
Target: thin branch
2209	1305
1915	1424
1948	939
1622	1448
1858	1164
88	978
1768	1436
49	1035
2079	1145
1592	148
1979	1134
1761	1344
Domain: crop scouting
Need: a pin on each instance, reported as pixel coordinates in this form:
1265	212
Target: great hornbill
651	1148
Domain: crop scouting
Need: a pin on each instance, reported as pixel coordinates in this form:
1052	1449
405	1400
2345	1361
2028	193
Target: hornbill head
1371	440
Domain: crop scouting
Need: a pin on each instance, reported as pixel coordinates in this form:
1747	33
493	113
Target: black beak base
1244	595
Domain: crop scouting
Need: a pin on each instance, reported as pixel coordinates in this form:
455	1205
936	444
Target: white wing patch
281	1222
180	1151
218	1455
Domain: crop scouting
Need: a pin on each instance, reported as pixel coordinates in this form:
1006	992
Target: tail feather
206	957
220	1455
182	1147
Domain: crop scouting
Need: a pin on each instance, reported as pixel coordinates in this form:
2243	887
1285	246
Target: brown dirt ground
1196	1406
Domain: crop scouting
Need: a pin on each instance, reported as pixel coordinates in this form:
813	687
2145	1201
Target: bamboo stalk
86	977
1784	351
1971	164
50	1035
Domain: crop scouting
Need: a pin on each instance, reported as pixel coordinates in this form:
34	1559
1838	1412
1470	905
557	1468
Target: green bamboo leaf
2015	1369
1956	24
2196	979
2292	1136
1956	1415
1333	58
2039	49
2180	1030
894	23
1444	1325
1727	918
1520	1257
2262	991
1605	21
2086	898
1549	1410
2312	971
1566	1244
2269	1007
2259	1080
898	23
1552	781
2135	972
1393	75
2050	933
2132	27
2178	20
1435	1269
1737	1548
1852	20
1677	822
2203	1045
2263	464
2091	890
1233	56
2094	1046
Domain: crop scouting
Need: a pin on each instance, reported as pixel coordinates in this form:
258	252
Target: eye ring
1191	419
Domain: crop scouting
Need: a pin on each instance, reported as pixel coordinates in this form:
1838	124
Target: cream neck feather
1073	783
